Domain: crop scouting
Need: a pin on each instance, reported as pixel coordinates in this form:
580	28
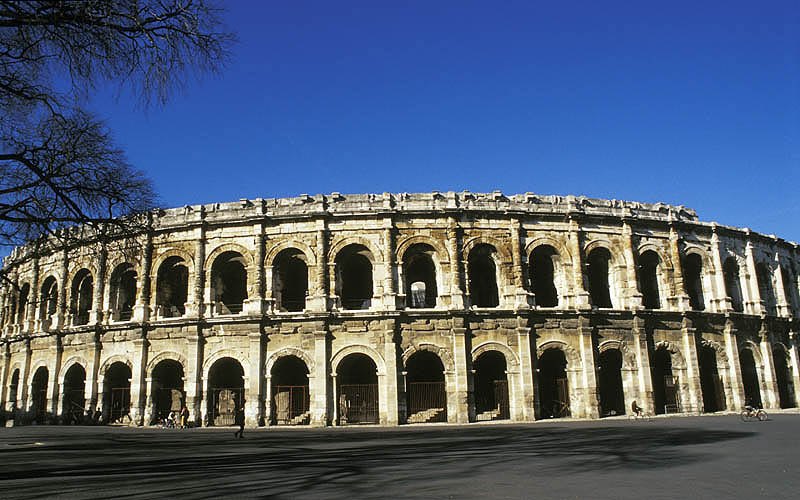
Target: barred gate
224	402
120	403
289	402
358	403
672	402
40	405
427	396
494	398
562	408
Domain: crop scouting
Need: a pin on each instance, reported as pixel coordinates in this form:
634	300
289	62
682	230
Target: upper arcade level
352	254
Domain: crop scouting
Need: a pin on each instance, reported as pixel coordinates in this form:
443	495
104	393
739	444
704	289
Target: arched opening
710	381
81	304
789	286
13	392
491	387
609	378
354	276
542	275
290	396
597	264
167	389
425	388
483	276
693	281
665	384
116	392
783	377
290	280
358	390
24	292
48	305
172	284
419	272
752	392
765	288
648	279
39	395
123	292
551	372
225	391
74	397
730	272
229	283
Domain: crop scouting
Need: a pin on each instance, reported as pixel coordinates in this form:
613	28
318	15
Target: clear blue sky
694	103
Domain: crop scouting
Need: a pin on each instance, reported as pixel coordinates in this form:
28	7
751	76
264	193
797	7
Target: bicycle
749	413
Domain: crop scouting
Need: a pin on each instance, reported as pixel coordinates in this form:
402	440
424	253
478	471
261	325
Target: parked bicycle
749	413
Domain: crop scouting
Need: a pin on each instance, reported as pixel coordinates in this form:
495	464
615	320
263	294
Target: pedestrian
240	422
184	416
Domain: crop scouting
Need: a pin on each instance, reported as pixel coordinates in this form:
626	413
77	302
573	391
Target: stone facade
395	308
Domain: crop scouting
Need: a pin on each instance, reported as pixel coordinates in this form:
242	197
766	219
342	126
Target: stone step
423	416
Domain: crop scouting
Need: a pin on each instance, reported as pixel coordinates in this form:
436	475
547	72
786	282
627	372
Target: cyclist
636	409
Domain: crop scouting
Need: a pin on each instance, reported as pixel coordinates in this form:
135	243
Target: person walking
184	416
239	420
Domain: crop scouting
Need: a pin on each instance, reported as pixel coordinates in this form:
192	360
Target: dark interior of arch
710	381
491	384
123	291
49	300
693	281
552	384
167	387
226	372
424	366
765	289
229	279
116	391
82	289
172	286
483	276
74	390
290	370
597	270
789	286
290	279
357	369
290	395
730	271
752	392
663	380
23	302
783	377
13	391
609	378
648	279
420	276
542	275
39	393
354	272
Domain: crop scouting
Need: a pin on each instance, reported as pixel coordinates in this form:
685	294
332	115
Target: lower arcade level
395	368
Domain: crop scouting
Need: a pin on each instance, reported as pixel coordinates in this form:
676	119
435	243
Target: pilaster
526	370
254	406
138	383
634	296
694	389
644	374
391	377
456	265
195	402
463	382
770	398
581	295
679	300
586	345
320	389
734	397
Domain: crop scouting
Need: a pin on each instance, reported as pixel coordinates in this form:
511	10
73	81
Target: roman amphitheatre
402	308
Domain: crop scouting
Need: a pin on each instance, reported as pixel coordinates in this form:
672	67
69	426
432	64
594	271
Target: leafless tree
59	166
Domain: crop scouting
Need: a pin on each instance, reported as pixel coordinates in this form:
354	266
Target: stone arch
441	352
573	358
162	356
782	347
77	267
172	252
406	243
511	358
705	257
274	250
753	347
628	357
105	365
676	358
721	355
228	247
358	349
118	261
39	363
289	351
617	258
563	252
227	353
499	245
377	254
76	359
650	246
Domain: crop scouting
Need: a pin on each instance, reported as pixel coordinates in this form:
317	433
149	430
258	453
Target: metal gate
168	399
40	406
224	402
289	402
73	406
358	404
561	407
120	403
493	398
672	402
424	396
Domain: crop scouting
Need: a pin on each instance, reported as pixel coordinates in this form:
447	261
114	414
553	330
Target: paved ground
693	457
